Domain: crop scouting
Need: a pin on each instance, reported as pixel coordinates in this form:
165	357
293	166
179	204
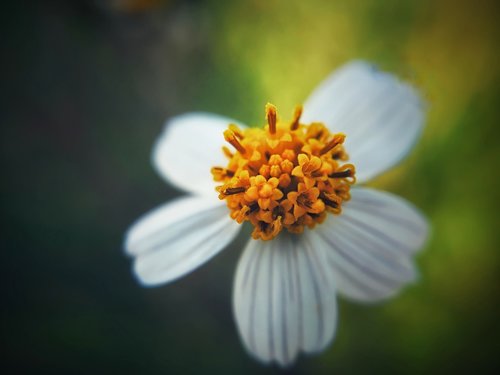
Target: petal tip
188	147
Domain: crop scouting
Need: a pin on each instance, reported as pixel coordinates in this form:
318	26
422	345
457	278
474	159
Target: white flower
284	294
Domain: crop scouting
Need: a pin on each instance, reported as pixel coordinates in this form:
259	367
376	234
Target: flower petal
177	237
284	299
381	116
371	244
189	147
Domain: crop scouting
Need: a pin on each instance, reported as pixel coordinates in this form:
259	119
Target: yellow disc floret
285	176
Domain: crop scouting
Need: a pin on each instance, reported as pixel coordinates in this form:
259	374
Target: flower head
285	176
314	232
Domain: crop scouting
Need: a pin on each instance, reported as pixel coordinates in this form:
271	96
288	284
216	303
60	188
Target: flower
315	234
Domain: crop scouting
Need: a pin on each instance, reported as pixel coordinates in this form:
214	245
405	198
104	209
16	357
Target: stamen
331	200
220	173
337	140
231	138
232	191
237	132
253	208
342	174
337	155
271	117
227	152
296	118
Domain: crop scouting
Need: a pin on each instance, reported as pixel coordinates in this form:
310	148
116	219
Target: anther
220	173
227	152
253	208
342	174
296	118
337	140
337	155
271	117
224	171
230	137
331	200
237	131
235	190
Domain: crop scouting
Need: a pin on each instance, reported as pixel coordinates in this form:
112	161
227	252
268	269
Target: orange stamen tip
271	114
296	117
236	130
230	137
337	139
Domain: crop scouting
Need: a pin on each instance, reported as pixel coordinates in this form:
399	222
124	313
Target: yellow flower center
285	176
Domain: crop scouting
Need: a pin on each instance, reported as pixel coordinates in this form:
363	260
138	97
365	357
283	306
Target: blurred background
85	89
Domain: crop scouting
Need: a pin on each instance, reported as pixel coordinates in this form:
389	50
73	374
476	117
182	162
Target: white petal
284	299
188	148
381	116
178	237
371	244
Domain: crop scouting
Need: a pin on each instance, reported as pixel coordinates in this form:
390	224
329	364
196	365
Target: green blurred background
86	87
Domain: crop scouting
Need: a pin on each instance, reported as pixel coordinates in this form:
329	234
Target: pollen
285	176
